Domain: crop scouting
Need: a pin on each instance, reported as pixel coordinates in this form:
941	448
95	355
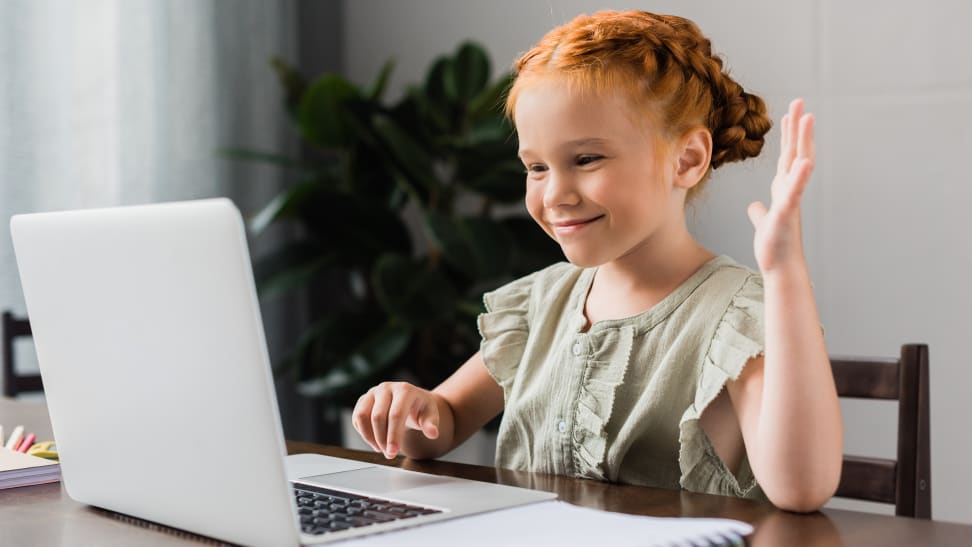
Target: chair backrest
906	481
13	382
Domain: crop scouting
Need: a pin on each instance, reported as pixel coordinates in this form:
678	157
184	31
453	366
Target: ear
693	152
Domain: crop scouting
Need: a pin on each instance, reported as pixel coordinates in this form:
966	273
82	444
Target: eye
534	168
587	159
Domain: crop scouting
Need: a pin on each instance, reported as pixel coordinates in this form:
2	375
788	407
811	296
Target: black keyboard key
362	521
330	510
380	517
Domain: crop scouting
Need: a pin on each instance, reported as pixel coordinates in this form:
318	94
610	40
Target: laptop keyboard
322	510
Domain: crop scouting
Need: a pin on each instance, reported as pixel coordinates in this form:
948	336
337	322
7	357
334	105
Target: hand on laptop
384	414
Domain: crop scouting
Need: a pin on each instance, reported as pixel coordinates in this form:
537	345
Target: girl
612	366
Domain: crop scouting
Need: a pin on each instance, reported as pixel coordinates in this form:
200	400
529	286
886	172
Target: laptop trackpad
377	480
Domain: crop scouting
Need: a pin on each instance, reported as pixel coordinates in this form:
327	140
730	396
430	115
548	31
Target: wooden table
44	515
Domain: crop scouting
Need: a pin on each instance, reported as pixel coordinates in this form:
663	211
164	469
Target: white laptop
152	353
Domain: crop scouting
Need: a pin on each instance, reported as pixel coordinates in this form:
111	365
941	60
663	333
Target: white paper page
560	523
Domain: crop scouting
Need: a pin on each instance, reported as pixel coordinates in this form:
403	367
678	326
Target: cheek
534	200
534	205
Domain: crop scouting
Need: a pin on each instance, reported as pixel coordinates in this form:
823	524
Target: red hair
663	64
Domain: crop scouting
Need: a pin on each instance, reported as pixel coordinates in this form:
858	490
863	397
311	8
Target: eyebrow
574	143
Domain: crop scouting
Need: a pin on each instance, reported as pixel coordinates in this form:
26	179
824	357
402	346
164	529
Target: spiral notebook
560	523
17	469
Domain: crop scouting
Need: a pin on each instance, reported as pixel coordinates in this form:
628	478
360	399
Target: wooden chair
14	383
906	481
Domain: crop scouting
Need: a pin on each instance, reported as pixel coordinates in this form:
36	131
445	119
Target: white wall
891	83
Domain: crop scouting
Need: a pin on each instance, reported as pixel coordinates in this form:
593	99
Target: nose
559	191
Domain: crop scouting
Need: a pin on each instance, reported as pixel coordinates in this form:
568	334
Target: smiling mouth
573	226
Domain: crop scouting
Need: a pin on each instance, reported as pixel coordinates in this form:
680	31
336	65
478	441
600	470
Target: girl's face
599	180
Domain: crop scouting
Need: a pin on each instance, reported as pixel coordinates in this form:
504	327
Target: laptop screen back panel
152	355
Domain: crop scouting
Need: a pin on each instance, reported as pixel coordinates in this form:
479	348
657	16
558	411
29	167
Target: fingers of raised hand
797	156
756	212
796	181
806	148
796	136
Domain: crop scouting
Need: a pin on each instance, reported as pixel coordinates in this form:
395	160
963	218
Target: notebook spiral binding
147	524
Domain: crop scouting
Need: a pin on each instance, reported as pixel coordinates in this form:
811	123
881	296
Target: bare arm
786	400
398	416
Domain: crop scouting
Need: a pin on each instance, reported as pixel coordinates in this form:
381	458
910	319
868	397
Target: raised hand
778	242
383	414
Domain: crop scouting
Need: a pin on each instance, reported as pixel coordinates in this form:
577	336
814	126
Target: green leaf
502	182
378	86
285	204
354	228
478	247
492	131
440	87
375	354
321	345
290	267
413	161
469	71
292	82
425	117
411	292
491	101
321	113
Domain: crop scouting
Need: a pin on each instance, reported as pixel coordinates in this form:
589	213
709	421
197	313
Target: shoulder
732	292
733	279
550	280
505	326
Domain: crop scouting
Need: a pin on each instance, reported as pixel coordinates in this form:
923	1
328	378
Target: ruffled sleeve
504	328
738	338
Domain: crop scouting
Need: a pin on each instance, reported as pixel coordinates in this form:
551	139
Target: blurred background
109	102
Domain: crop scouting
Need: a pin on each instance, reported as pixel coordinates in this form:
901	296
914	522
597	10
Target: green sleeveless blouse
622	401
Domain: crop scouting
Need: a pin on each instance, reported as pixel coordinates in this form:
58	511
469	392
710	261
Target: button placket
578	347
579	355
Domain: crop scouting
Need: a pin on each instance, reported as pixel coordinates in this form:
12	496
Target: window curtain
112	102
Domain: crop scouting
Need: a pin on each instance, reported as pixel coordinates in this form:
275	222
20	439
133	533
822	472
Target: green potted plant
393	207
